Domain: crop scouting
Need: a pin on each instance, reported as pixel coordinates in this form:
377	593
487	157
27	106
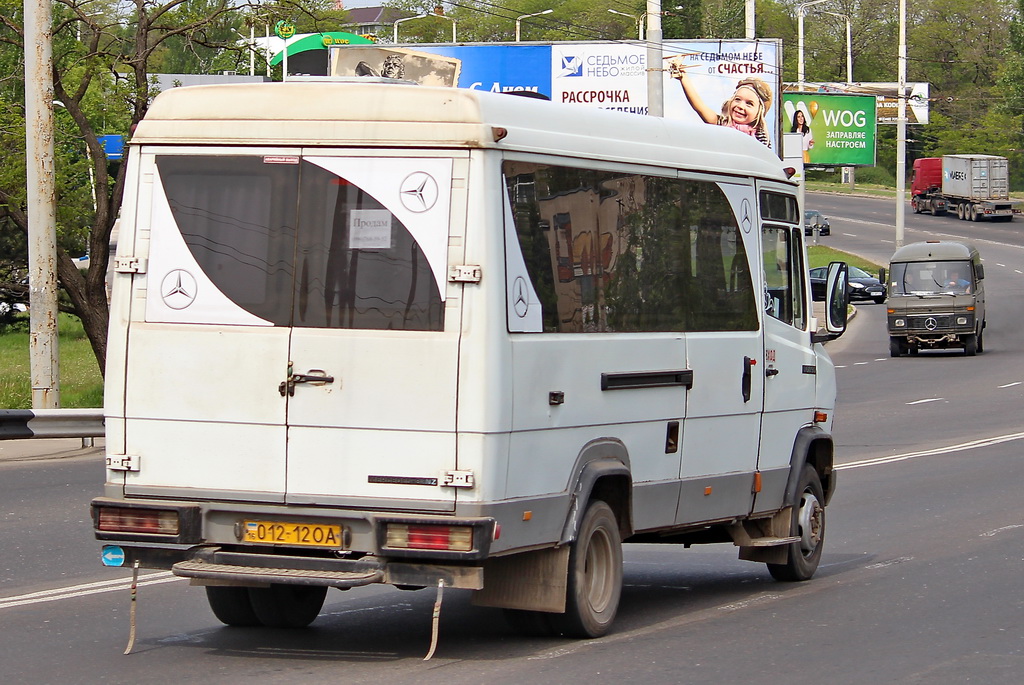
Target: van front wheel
971	345
595	576
808	523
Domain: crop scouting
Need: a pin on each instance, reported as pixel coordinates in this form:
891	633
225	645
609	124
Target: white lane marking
997	531
1002	265
964	446
86	589
1009	385
930	399
891	562
860	363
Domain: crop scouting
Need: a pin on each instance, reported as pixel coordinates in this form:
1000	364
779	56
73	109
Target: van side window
620	252
779	207
783	263
273	234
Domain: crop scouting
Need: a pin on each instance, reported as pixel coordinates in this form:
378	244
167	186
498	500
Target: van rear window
298	245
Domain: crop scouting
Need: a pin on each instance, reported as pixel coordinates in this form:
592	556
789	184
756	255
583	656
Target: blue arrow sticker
112	555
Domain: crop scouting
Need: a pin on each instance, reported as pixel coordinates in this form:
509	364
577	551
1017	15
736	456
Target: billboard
885	96
836	129
699	77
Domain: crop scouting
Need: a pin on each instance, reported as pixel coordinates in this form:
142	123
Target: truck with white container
367	332
974	187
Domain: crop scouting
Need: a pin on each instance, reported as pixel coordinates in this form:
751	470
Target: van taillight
430	536
120	520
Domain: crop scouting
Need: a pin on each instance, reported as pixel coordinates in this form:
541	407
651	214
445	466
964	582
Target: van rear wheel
287	606
808	523
231	606
595	576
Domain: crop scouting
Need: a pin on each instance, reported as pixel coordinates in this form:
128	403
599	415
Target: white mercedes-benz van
381	333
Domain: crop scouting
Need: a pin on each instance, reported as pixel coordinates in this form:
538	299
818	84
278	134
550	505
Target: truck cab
936	298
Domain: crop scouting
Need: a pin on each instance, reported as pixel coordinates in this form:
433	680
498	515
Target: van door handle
313	376
771	372
287	386
745	380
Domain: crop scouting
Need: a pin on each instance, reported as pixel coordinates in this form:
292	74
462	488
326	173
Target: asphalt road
920	580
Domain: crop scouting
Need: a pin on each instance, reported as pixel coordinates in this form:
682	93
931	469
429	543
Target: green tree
105	52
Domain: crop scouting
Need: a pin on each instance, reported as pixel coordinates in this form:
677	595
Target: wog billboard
836	130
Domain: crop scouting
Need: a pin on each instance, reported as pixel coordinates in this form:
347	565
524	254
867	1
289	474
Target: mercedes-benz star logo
745	219
418	191
930	323
178	289
520	297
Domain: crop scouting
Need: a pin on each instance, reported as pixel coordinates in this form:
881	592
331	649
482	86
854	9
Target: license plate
292	533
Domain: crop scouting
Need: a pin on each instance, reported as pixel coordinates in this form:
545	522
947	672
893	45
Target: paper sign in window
369	229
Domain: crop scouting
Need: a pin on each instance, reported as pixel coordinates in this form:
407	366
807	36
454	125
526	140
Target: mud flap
531	581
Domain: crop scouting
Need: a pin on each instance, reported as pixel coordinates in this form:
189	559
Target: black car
815	219
863	286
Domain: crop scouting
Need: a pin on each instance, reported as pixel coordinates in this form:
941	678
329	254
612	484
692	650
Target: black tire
231	606
879	300
895	347
595	576
960	212
287	606
530	623
971	345
808	523
914	350
981	340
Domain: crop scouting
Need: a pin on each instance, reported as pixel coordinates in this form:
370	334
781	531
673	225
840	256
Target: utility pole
655	52
901	127
42	205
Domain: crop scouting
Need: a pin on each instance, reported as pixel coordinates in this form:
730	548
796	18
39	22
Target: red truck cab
926	186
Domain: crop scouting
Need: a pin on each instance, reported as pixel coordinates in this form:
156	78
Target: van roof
331	113
935	249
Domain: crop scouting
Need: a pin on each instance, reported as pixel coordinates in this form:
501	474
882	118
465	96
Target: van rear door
294	344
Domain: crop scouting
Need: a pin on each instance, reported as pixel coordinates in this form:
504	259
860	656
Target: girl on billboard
746	110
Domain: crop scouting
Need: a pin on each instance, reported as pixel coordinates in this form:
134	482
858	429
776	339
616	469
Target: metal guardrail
18	424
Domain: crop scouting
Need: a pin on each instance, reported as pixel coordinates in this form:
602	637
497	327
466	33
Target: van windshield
925	278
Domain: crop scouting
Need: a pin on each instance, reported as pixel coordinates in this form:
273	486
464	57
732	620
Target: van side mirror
979	271
837	301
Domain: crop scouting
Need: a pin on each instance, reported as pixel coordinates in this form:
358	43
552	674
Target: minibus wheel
231	606
287	606
971	345
895	347
595	576
808	523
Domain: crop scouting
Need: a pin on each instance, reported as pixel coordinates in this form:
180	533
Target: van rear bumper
212	565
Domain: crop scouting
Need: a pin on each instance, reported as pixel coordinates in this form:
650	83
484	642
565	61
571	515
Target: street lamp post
638	19
421	16
527	16
849	172
801	11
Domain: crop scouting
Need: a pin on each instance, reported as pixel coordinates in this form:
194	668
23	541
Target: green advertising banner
837	130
